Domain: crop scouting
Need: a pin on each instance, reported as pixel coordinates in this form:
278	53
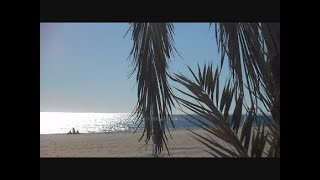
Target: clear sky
84	66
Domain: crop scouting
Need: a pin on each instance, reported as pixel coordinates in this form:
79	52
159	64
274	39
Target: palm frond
152	49
202	91
253	136
255	49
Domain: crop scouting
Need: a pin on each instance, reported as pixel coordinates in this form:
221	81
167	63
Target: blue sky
84	67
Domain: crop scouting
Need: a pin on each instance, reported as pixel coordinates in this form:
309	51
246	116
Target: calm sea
62	122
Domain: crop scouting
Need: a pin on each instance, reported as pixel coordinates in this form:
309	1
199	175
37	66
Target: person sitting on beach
78	132
73	131
69	132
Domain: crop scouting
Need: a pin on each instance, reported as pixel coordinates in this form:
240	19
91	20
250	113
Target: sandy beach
118	144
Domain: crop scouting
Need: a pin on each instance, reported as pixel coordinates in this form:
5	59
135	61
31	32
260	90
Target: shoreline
126	131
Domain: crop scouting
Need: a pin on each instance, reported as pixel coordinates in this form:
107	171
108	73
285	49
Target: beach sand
117	144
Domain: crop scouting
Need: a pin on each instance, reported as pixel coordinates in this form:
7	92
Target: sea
63	122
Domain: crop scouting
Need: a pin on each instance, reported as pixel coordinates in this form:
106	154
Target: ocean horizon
84	122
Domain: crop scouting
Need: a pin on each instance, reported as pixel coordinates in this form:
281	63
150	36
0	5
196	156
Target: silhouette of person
73	131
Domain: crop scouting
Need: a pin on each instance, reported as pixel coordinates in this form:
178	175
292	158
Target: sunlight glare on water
61	122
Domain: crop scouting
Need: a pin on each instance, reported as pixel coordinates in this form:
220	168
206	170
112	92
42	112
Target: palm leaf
217	123
152	49
220	127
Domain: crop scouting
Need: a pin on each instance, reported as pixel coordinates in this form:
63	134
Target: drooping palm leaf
152	49
256	47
